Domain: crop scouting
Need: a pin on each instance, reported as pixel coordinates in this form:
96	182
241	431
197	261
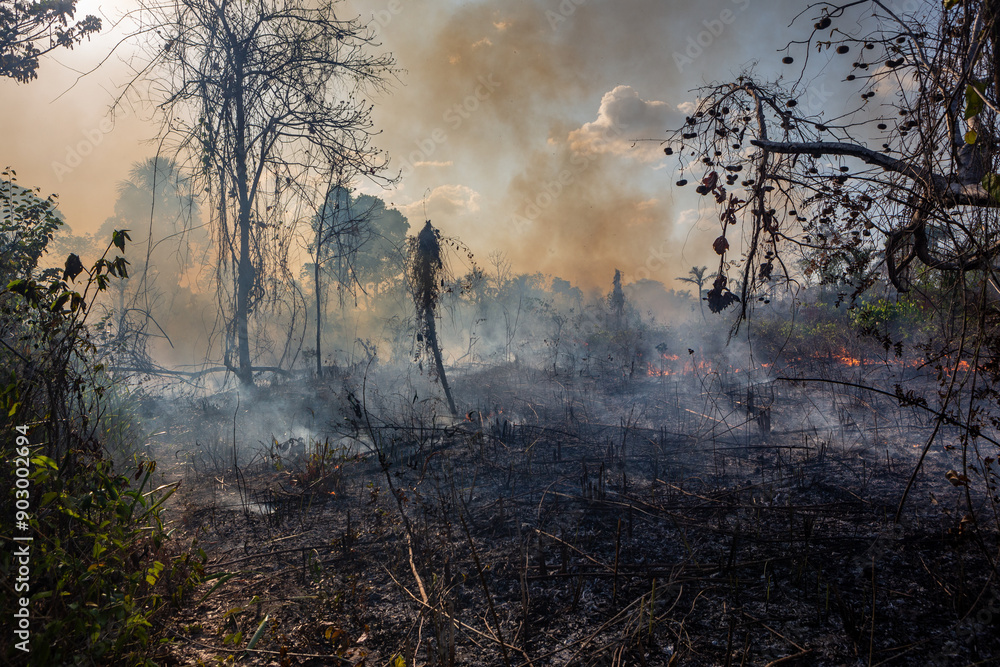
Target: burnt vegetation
395	453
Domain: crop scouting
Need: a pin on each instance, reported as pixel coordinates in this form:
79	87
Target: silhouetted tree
616	301
696	276
264	97
426	277
340	231
29	30
158	208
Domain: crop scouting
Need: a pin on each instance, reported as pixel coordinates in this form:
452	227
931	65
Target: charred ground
572	521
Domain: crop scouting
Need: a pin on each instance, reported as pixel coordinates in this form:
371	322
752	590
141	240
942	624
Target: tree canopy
29	30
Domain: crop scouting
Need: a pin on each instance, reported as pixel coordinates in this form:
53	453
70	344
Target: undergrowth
86	551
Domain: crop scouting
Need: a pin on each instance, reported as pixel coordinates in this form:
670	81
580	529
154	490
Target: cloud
442	204
688	107
623	118
434	163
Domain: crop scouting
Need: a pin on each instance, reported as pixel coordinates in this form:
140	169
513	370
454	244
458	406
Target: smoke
548	115
491	96
528	126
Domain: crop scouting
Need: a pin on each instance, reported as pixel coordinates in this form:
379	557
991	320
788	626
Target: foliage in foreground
100	566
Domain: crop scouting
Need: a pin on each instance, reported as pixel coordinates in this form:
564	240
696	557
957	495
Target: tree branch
945	190
869	156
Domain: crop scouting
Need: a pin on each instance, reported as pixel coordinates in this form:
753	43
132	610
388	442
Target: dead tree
926	194
907	173
262	97
426	276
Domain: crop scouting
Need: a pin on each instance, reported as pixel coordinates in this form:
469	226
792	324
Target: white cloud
687	108
444	201
433	163
622	118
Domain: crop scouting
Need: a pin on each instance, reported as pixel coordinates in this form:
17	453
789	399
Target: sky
530	127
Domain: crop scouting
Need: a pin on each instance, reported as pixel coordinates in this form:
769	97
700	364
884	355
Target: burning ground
704	513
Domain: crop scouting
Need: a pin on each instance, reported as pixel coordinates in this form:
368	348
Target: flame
665	369
671	364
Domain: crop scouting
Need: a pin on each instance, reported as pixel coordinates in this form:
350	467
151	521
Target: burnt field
693	515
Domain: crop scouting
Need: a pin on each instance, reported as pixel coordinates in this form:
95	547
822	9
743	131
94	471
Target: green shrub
100	566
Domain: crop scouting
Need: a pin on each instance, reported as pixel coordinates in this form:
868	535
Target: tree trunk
430	330
244	283
245	271
319	313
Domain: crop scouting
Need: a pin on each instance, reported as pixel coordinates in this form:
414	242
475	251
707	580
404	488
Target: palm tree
696	276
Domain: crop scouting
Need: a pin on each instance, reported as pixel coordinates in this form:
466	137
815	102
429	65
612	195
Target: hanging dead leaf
721	245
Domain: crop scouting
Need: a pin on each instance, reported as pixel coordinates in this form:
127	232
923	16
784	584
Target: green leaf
991	182
60	301
118	238
119	267
41	460
971	136
974	95
948	4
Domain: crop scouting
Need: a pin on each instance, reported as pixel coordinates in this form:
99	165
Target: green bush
100	564
901	320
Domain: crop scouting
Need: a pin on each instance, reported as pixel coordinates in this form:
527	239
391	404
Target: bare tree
925	192
907	173
263	97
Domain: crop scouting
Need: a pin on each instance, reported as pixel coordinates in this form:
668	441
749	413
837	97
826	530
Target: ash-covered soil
704	518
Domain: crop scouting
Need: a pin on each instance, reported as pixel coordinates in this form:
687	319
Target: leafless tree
907	172
911	171
263	97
